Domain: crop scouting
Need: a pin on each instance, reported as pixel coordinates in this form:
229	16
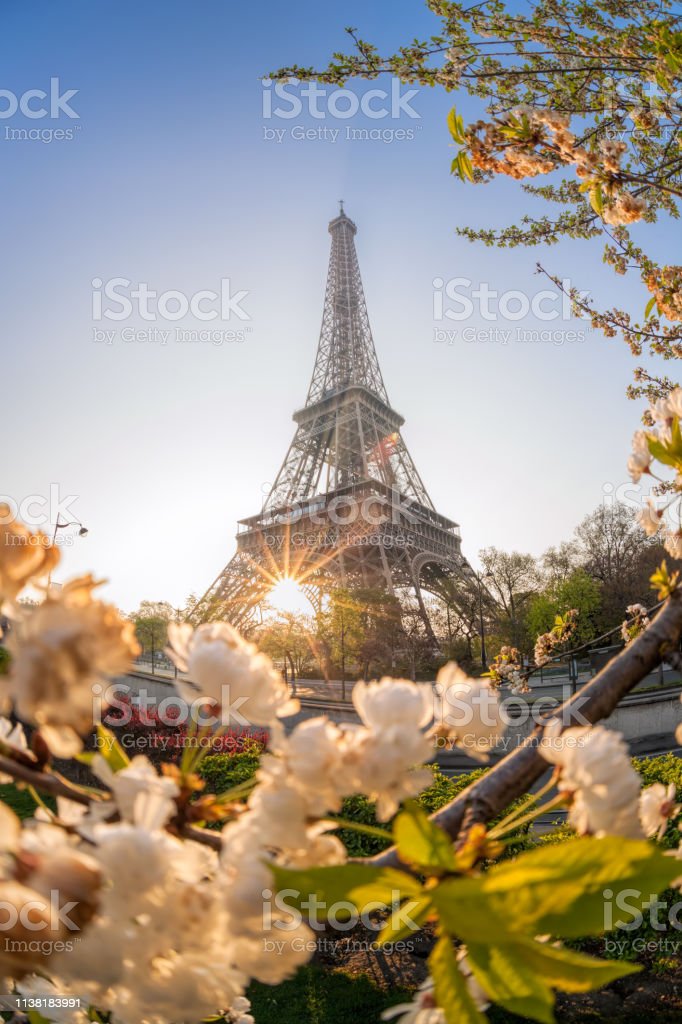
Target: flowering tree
179	898
585	96
174	917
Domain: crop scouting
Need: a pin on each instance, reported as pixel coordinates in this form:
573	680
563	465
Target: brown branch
514	775
204	836
54	785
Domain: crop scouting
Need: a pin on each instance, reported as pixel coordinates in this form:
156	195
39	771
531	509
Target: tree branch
54	785
517	772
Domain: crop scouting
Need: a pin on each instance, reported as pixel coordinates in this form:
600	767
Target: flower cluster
168	732
24	557
636	622
60	651
306	776
603	789
204	921
561	631
529	141
424	1010
51	886
662	443
469	715
176	956
507	667
229	672
665	284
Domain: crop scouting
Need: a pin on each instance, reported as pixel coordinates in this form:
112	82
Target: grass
315	996
20	800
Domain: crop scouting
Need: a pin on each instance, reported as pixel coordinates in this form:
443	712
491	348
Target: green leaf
597	199
407	920
467	912
452	994
34	1017
511	981
675	445
663	453
358	884
521	976
457	163
560	890
569	971
421	843
649	307
467	167
456	126
111	750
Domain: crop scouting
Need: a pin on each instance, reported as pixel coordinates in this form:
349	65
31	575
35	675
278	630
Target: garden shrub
221	772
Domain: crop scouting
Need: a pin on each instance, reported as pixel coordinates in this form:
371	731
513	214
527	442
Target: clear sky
169	179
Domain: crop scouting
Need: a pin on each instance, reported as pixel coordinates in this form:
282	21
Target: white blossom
33	986
393	702
230	671
139	777
477	993
673	544
660	410
383	765
470	713
422	1009
641	457
11	736
674	403
597	775
656	807
649	518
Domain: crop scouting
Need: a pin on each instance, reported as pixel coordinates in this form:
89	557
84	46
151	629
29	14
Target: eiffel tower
348	507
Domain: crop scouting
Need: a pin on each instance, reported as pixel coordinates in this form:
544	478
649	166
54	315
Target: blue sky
169	179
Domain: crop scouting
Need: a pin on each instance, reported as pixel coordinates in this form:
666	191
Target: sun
288	596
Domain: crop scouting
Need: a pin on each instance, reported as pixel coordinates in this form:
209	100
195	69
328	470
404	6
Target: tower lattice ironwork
348	507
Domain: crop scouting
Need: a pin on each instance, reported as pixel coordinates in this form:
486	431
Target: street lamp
82	532
480	577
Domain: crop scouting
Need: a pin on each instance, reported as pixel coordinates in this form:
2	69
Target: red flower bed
147	730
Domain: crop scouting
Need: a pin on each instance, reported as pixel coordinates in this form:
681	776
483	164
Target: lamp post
82	532
480	577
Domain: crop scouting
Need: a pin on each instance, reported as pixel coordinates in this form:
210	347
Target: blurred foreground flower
229	670
62	649
24	556
597	776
